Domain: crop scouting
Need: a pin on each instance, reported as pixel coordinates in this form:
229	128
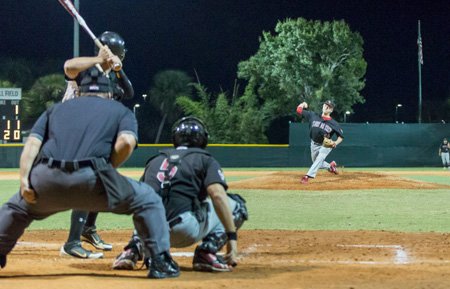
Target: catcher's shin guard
135	244
240	213
213	242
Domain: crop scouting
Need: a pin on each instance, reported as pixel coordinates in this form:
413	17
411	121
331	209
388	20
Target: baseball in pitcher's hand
232	252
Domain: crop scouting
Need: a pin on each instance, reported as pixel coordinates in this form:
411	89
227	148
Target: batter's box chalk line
401	256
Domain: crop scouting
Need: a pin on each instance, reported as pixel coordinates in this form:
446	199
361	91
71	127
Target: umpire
198	208
67	164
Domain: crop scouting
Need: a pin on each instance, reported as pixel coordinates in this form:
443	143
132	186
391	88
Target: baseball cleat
163	266
304	180
75	250
91	236
127	260
208	262
333	168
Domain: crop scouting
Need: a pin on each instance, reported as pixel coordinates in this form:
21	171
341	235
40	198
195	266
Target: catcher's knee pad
213	242
135	244
240	213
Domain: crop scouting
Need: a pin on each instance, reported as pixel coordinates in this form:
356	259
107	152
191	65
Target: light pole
144	96
134	107
396	112
345	115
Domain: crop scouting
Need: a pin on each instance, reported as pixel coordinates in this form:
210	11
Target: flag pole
420	63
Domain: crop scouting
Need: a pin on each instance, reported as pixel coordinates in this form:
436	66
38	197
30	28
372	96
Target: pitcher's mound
327	181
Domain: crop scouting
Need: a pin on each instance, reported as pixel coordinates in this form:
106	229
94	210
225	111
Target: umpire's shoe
91	236
2	261
163	266
74	249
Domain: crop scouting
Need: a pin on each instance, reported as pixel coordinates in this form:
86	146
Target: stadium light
396	112
135	106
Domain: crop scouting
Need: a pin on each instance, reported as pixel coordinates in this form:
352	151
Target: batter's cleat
74	249
163	266
333	168
208	262
304	180
91	236
2	261
127	260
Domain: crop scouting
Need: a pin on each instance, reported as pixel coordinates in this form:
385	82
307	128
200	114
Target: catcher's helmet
115	42
191	132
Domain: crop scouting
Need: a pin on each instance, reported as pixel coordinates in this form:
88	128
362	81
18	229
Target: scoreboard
10	129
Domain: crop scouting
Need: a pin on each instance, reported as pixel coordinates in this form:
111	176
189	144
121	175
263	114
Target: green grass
393	210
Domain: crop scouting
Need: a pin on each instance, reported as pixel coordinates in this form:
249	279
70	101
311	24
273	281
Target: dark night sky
212	37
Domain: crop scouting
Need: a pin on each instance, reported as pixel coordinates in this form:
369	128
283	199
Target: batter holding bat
322	128
108	62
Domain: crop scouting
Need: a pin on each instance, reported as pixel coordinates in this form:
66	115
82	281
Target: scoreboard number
10	126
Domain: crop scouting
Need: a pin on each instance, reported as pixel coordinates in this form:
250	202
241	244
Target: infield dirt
268	259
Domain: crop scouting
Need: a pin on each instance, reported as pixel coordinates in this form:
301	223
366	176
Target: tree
235	121
46	91
307	60
167	86
16	71
6	84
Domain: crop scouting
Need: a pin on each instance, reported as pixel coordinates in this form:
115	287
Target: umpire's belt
68	166
175	221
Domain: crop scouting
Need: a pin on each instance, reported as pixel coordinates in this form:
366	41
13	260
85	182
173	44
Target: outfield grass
393	209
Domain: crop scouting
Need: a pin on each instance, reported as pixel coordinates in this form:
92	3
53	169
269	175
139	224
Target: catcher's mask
191	132
115	43
96	82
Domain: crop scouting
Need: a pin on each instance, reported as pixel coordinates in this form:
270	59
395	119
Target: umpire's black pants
58	191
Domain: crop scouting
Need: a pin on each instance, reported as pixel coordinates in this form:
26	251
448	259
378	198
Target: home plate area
267	259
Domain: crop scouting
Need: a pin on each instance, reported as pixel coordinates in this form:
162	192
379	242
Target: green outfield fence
365	145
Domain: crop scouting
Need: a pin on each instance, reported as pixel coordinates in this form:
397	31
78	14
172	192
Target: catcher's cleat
163	266
304	180
333	168
91	236
74	249
2	261
209	262
127	260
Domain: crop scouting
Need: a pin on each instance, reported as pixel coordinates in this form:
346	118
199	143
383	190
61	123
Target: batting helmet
191	132
115	42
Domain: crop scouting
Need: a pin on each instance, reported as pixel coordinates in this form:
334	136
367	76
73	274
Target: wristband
232	236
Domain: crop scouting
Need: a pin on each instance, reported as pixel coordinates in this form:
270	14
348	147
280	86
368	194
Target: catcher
321	129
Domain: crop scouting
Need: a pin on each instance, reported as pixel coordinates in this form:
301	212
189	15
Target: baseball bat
68	5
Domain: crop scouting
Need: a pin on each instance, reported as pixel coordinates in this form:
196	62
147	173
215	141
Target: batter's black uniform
73	172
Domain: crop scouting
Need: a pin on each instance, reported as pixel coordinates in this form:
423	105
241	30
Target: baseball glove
328	143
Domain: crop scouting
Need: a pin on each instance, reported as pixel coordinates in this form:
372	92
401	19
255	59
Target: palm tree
45	91
167	86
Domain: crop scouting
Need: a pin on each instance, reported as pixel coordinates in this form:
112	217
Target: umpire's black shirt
83	127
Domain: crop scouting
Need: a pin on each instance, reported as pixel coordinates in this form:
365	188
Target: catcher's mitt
328	143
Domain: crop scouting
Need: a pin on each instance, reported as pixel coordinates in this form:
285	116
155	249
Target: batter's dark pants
58	191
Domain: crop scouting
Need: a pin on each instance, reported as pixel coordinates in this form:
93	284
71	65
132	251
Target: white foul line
401	256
